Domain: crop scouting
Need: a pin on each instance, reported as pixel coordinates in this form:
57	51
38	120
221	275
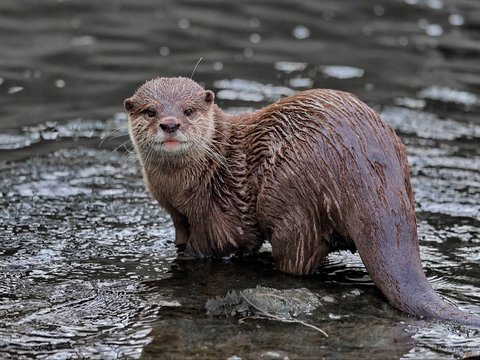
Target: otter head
170	117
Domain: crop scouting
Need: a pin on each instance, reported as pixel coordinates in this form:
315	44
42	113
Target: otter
312	173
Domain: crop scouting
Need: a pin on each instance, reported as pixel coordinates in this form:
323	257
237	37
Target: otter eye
188	112
150	113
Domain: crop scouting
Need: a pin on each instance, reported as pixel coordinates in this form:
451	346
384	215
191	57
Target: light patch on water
248	52
300	82
411	103
379	10
289	66
435	4
428	125
432	4
453	209
255	38
183	23
81	128
236	110
445	184
14	141
76	128
164	51
430	29
446	94
14	89
254	22
456	20
342	72
217	66
86	40
246	90
60	83
240	95
301	32
434	30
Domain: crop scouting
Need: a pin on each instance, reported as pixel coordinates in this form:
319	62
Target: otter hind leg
298	248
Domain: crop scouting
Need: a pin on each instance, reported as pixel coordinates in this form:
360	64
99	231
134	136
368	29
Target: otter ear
130	104
209	96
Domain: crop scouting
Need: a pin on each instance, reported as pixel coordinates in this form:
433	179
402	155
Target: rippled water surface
87	264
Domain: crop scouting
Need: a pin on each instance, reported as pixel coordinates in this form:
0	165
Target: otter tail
396	269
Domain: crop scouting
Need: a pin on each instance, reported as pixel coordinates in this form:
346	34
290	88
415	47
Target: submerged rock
285	304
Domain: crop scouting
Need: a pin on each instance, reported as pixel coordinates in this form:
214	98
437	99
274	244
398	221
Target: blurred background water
87	266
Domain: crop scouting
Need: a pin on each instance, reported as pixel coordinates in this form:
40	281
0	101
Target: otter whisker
122	145
195	68
211	154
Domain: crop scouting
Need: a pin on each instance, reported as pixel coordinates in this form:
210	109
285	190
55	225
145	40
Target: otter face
170	116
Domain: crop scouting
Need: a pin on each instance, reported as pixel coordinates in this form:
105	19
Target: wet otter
312	173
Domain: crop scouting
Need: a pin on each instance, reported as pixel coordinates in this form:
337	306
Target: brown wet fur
312	173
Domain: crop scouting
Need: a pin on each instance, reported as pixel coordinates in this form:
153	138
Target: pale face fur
170	119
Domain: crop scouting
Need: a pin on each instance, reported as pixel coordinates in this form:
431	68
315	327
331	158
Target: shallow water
87	264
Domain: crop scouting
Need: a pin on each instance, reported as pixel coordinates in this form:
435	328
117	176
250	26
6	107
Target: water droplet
403	40
164	51
379	10
37	74
1	81
301	32
248	52
59	83
334	316
435	4
254	22
86	40
434	30
27	74
422	23
456	19
255	38
217	65
369	87
411	2
15	89
183	23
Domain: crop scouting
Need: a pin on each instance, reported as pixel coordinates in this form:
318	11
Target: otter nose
169	127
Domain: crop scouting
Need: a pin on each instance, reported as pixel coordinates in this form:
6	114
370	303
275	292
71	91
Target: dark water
87	265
